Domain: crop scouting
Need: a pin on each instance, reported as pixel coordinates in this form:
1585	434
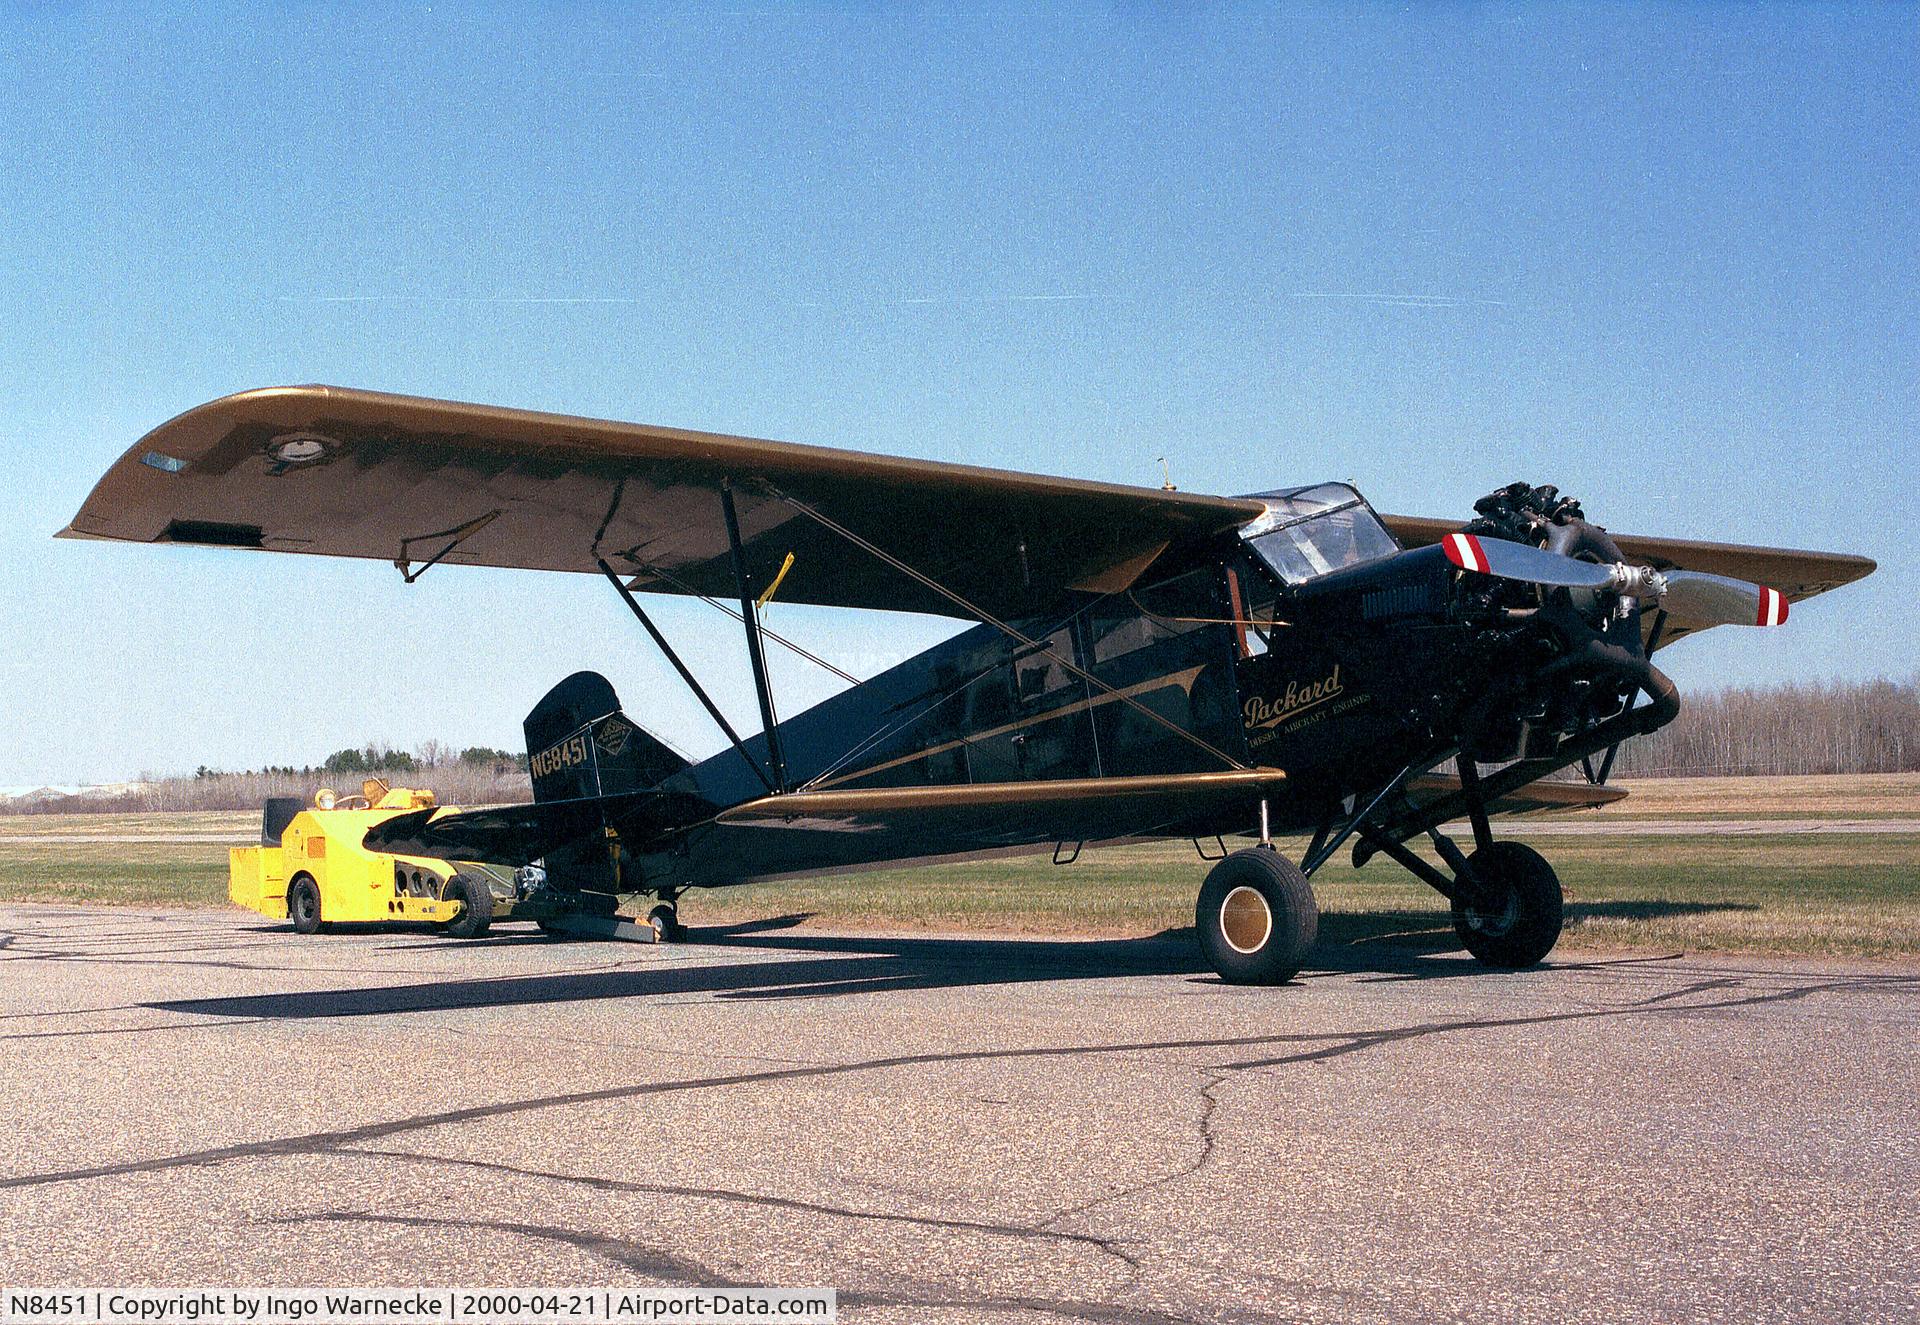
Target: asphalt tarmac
955	1129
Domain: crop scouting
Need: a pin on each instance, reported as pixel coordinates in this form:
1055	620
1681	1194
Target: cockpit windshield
1309	532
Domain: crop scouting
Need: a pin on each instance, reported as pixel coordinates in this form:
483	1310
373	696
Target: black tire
666	923
1256	918
476	909
303	905
1527	924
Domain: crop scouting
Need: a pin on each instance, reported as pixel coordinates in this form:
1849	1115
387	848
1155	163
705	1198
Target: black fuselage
1341	683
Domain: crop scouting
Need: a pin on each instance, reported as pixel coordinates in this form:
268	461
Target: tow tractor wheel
476	906
303	905
1256	918
666	923
1522	927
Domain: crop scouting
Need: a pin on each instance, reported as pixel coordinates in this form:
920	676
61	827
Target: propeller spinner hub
1636	581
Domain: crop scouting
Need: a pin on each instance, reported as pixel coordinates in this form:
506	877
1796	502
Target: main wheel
303	905
476	906
666	923
1256	918
1522	925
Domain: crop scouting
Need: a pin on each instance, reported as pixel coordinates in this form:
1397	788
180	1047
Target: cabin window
1155	612
1310	532
1038	673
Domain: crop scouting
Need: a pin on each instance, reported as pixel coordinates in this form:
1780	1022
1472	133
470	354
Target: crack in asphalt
1345	1042
72	1012
1023	1231
1209	1098
1357	1040
893	1290
136	1030
1697	987
149	955
314	1142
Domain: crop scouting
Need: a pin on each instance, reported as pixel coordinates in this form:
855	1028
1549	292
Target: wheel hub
1246	921
1496	921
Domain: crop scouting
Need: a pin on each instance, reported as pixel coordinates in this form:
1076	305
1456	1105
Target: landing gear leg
1507	901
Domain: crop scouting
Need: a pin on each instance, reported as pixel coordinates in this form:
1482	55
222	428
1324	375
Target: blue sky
1664	257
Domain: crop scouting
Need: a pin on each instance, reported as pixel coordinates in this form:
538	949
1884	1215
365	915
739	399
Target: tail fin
580	747
579	744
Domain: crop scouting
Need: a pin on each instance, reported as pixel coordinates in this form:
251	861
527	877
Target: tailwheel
1256	918
1516	919
666	923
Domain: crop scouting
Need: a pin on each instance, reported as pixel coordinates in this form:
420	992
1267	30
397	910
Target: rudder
579	744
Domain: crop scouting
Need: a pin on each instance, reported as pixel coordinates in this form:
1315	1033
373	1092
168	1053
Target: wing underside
407	480
403	479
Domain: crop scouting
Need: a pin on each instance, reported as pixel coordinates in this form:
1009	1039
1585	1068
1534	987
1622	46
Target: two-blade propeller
1690	595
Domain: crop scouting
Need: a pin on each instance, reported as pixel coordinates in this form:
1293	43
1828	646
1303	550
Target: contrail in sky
457	299
1403	300
929	299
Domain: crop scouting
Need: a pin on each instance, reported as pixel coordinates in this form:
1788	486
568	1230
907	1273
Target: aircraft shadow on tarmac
1394	945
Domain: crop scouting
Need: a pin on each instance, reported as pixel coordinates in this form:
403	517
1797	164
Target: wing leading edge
405	479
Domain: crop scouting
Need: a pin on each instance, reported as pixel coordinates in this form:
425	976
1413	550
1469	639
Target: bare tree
1800	728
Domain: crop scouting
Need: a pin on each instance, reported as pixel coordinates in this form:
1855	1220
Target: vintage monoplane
1145	664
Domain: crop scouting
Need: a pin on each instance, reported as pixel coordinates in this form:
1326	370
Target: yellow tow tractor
310	868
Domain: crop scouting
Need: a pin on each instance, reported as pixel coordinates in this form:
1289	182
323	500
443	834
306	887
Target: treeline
477	775
1815	727
378	760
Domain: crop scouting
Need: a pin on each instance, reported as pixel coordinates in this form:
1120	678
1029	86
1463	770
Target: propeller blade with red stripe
1697	596
1518	561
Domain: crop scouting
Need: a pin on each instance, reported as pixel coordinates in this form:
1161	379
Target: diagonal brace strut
699	693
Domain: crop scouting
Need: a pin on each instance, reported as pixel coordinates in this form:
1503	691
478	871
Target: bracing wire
1003	627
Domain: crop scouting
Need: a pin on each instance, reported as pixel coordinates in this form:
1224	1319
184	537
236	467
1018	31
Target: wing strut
980	614
756	652
663	573
699	693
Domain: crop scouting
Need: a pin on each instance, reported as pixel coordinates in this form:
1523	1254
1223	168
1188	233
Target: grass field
1855	896
1861	796
1829	894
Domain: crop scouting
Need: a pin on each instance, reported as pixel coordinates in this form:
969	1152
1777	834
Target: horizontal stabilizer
522	834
